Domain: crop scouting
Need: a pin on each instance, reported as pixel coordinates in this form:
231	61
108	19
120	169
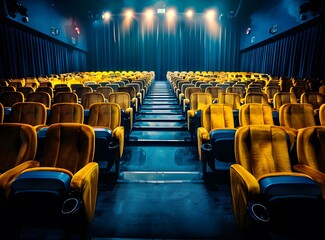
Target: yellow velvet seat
281	98
215	137
32	113
18	143
2	113
311	154
255	113
135	102
108	115
123	99
187	96
63	188
66	113
90	98
65	96
9	98
256	97
265	191
232	99
41	97
197	101
322	115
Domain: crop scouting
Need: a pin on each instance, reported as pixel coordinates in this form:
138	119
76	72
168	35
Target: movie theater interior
162	120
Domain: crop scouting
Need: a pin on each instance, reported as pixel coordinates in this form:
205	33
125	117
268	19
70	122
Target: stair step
161	176
170	112
159	135
160	102
159	124
159	107
157	117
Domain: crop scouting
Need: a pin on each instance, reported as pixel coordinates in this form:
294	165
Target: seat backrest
121	98
190	90
255	113
232	99
297	115
311	147
106	91
322	115
90	98
65	97
135	85
47	89
256	97
217	116
25	90
321	90
63	88
262	149
105	115
10	98
236	89
214	91
200	99
130	90
41	97
297	91
32	113
2	113
66	113
281	98
18	143
271	90
84	89
7	89
314	98
113	85
69	146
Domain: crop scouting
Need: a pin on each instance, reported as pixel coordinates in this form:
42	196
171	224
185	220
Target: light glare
106	16
149	14
129	14
210	15
171	13
189	13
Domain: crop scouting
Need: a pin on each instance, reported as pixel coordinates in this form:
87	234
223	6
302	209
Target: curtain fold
161	46
298	53
24	54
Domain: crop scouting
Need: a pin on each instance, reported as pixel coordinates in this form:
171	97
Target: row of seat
61	189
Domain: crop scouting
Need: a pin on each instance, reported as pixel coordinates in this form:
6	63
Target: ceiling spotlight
189	13
149	14
106	16
129	13
210	15
171	13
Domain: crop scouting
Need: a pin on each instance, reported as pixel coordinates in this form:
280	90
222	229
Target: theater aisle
160	193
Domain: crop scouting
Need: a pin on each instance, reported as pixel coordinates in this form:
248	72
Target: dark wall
29	49
276	15
297	49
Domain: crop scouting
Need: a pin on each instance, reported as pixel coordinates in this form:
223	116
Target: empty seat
314	98
90	98
32	113
215	92
218	130
25	90
106	91
10	98
281	98
41	97
66	113
232	99
266	193
322	115
256	97
255	114
18	144
65	97
47	89
297	115
197	101
82	90
108	115
63	189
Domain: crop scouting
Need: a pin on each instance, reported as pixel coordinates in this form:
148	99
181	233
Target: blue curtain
298	53
26	54
161	47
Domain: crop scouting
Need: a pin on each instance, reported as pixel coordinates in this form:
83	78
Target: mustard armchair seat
255	113
281	98
32	113
108	115
123	99
66	112
216	135
18	143
2	113
66	175
297	115
311	153
264	188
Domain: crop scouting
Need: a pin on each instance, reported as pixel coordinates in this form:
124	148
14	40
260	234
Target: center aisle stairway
160	146
160	193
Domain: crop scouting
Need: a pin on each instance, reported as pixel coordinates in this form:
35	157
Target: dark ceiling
82	8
